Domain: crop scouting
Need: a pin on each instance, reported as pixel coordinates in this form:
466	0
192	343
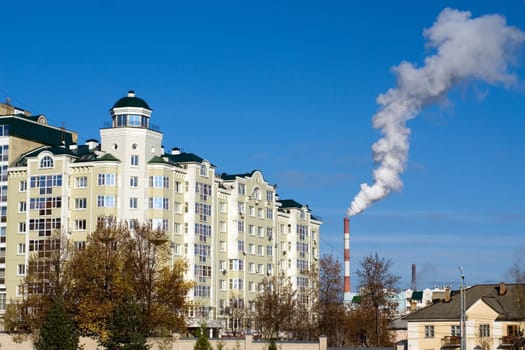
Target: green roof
131	101
27	128
230	177
417	295
184	158
290	203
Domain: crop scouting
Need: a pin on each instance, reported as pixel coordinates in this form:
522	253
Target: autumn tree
45	280
330	306
152	279
120	262
377	287
97	280
275	306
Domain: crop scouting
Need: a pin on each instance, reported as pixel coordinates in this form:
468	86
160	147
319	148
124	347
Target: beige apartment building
232	229
494	317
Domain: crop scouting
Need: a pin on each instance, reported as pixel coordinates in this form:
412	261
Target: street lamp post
462	310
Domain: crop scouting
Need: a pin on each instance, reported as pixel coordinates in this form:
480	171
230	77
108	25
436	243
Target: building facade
232	229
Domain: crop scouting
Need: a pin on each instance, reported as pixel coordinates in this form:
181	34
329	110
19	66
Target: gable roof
510	305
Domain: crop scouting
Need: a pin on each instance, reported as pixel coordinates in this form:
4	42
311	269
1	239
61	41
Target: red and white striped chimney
347	290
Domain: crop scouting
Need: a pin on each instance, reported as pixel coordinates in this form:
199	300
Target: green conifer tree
126	330
58	331
202	340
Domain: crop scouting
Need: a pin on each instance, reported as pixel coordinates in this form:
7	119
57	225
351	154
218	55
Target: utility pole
462	310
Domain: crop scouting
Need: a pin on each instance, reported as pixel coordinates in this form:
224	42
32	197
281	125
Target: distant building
494	317
233	229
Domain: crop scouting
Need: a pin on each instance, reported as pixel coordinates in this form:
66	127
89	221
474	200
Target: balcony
450	342
506	342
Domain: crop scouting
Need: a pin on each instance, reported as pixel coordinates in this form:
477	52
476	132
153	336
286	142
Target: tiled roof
506	305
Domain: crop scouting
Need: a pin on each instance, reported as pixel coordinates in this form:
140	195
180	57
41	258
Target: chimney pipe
413	286
347	288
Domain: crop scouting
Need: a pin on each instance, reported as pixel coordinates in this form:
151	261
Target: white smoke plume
464	49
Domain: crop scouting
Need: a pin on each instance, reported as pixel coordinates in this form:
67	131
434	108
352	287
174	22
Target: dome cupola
130	112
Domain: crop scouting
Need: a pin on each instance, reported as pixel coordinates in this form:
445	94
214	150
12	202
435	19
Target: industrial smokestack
347	290
465	49
413	286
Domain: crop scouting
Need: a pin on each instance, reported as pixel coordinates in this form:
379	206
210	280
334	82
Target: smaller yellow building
494	317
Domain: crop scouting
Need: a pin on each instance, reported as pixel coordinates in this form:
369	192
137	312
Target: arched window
256	193
46	162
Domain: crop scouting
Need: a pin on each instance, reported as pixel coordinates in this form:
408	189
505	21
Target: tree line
122	287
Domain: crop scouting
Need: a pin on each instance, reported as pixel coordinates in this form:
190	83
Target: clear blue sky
289	88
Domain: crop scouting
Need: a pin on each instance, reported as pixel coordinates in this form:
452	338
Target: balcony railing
507	341
451	341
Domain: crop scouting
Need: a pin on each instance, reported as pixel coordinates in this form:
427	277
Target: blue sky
289	88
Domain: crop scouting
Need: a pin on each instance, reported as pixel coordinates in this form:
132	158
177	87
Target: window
260	250
251	210
269	250
79	245
178	187
177	249
177	228
106	179
240	246
22	207
223	207
133	181
80	225
222	226
256	194
222	246
46	162
242	189
222	284
105	201
158	203
236	264
240	226
429	331
159	224
23	186
178	208
133	202
455	330
46	182
21	248
159	181
134	160
236	284
44	226
80	203
241	208
21	227
260	213
21	270
484	330
81	182
269	213
269	196
204	170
